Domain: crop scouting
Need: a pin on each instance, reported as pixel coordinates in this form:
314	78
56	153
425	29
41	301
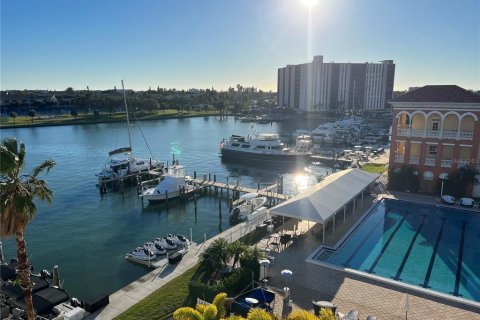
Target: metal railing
430	162
466	135
446	163
417	133
414	160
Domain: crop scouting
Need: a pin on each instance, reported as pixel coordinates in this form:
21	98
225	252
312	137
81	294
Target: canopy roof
319	202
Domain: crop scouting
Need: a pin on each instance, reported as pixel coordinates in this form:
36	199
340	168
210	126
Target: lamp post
441	189
265	264
406	307
286	274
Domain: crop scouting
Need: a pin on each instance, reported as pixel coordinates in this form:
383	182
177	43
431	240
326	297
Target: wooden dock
267	192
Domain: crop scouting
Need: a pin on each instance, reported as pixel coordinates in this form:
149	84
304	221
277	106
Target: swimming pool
432	247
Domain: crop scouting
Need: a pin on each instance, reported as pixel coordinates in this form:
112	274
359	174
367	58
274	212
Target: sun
310	3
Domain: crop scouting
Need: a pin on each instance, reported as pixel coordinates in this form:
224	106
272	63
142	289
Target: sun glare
310	3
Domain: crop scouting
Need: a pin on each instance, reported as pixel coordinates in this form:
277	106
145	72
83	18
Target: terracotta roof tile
439	93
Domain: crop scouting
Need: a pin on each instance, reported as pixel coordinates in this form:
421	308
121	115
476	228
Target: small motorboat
140	253
154	247
166	243
178	239
467	202
248	204
447	199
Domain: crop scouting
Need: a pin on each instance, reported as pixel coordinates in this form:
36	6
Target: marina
88	234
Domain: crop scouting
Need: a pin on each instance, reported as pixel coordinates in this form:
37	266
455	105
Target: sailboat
121	162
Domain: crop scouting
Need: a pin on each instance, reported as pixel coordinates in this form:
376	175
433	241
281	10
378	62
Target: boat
121	161
140	253
249	204
264	147
178	239
166	243
447	199
154	247
173	184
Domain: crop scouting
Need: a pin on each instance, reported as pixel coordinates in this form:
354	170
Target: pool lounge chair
369	317
467	202
352	315
447	199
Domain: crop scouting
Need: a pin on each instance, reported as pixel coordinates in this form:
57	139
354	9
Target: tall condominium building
436	130
319	86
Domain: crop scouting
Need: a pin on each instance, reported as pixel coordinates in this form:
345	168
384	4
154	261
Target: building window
435	123
432	151
407	120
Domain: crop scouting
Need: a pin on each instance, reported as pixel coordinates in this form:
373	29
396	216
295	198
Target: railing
433	134
417	133
402	132
414	160
399	158
466	135
449	134
430	162
463	163
446	163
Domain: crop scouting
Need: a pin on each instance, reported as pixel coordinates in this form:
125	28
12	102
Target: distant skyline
185	44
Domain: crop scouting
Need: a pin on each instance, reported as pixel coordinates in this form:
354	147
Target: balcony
433	134
417	133
399	158
414	160
446	163
449	134
402	132
466	135
430	162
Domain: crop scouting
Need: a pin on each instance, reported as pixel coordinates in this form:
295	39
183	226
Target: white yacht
173	182
265	147
249	204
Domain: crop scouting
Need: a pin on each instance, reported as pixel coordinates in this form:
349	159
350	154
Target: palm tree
17	194
236	249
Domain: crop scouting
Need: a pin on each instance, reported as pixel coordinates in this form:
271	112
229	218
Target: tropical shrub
457	182
404	179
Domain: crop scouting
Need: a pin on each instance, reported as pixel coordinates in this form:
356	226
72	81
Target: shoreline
92	120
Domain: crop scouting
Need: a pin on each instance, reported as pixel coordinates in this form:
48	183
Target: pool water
429	246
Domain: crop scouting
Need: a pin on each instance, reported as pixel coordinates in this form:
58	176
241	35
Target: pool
428	246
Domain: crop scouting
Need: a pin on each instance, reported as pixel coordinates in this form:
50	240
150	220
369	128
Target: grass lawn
22	121
374	167
163	302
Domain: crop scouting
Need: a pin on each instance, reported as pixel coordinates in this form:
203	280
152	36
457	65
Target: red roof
439	93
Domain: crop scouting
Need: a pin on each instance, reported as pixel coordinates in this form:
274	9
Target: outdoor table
251	301
318	305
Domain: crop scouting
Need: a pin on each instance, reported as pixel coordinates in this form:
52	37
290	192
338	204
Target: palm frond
8	161
45	165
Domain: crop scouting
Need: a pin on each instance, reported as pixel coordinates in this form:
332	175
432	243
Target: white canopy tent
321	201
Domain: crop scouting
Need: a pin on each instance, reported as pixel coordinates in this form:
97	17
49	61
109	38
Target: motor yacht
166	243
265	147
174	182
249	203
178	239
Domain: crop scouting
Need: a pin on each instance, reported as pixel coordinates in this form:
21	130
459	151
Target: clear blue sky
53	44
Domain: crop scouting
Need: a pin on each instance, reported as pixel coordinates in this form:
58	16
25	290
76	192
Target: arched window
407	120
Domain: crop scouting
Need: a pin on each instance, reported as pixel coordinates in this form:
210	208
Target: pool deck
349	291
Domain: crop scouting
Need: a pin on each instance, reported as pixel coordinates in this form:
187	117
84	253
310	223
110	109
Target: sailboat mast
128	119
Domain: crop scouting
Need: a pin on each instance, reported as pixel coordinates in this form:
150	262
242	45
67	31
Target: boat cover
45	300
15	291
7	272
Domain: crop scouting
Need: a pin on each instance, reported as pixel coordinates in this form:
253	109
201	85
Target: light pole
441	189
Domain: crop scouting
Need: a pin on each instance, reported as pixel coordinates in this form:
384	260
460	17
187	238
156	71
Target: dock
266	192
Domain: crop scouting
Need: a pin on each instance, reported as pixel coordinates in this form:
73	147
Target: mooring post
258	185
214	178
194	174
191	235
209	176
230	203
204	238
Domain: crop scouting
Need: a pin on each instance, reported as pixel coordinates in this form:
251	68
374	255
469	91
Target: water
88	235
423	245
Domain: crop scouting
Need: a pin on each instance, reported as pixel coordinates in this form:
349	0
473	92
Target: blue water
87	235
423	245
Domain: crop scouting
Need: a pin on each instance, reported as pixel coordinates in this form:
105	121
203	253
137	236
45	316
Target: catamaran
121	162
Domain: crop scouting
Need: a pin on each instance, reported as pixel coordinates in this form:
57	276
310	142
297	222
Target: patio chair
369	317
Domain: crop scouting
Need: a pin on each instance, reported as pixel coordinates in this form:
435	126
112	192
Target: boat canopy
120	150
267	136
249	196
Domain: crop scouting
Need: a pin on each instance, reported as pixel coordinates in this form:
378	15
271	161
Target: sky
55	44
